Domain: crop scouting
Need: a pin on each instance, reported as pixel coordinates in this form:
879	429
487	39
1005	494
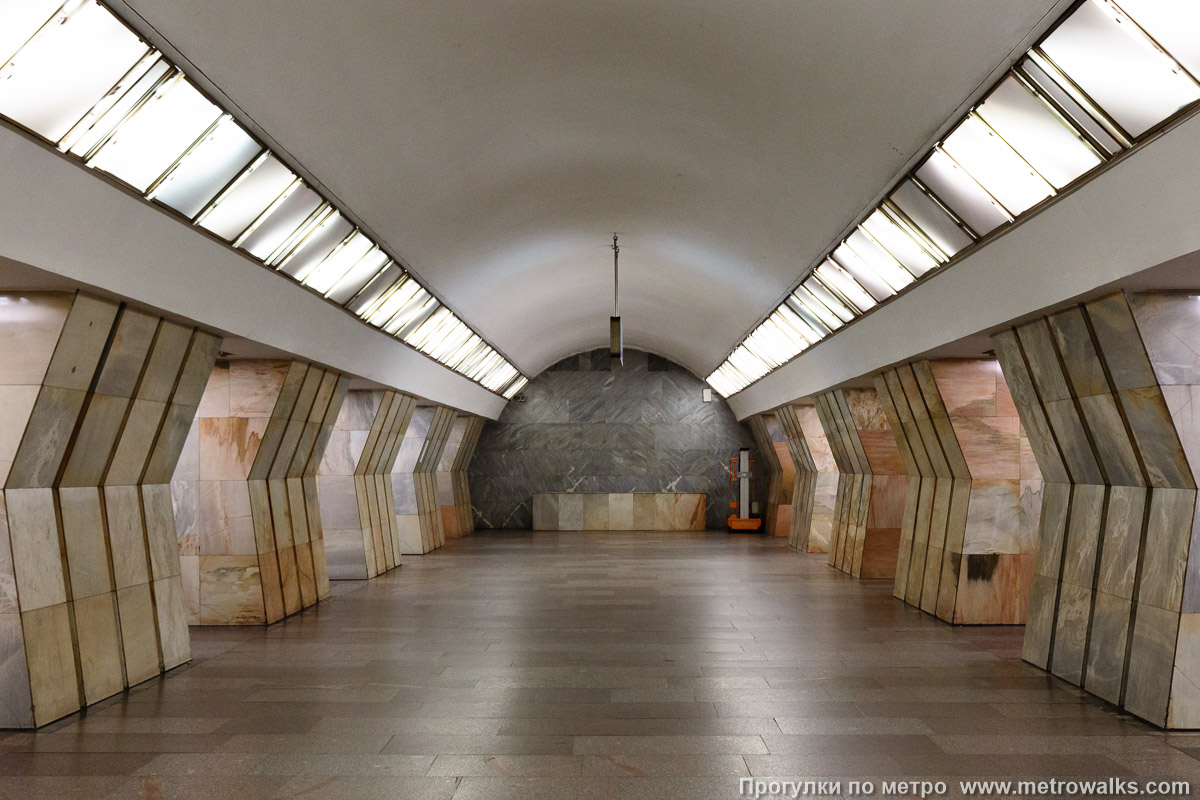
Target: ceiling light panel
930	218
1040	136
263	184
157	134
283	221
1085	115
1109	57
22	19
207	168
66	68
340	261
961	193
1173	24
77	76
375	262
995	166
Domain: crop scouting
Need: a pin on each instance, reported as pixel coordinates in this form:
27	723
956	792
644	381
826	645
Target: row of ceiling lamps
1108	74
77	76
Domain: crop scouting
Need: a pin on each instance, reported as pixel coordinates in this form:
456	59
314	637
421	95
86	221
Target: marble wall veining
777	471
354	483
415	480
454	492
871	488
970	523
1105	391
584	427
245	491
814	491
97	400
620	511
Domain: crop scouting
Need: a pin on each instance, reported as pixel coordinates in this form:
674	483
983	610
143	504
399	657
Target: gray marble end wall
97	401
1105	393
354	481
643	427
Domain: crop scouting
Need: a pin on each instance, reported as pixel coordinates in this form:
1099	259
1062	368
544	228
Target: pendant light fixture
616	343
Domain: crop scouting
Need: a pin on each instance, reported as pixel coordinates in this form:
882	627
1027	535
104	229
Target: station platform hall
469	401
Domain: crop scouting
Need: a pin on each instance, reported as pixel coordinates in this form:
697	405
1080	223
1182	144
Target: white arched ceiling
497	144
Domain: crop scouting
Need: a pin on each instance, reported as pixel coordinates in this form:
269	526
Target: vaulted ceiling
498	144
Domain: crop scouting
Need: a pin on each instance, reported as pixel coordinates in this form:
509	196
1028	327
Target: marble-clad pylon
97	399
414	479
358	505
454	493
1107	394
970	522
245	492
777	470
814	492
871	483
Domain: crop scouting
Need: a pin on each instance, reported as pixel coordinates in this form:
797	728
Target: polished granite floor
588	665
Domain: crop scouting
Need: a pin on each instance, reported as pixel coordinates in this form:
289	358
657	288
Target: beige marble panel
620	512
29	332
127	539
1067	423
253	386
1110	441
993	517
1107	648
1084	371
53	682
690	512
990	446
1070	634
160	530
189	567
139	633
1170	331
1041	356
16	704
570	512
229	447
595	512
169	442
230	591
171	611
1039	622
100	653
1083	534
989	590
1157	437
1184	709
1165	552
214	402
1122	540
89	455
46	438
132	451
166	358
81	343
645	508
86	543
18	402
1121	342
37	558
1151	662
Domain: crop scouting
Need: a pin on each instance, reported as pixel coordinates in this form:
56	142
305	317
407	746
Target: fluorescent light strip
1094	84
77	76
